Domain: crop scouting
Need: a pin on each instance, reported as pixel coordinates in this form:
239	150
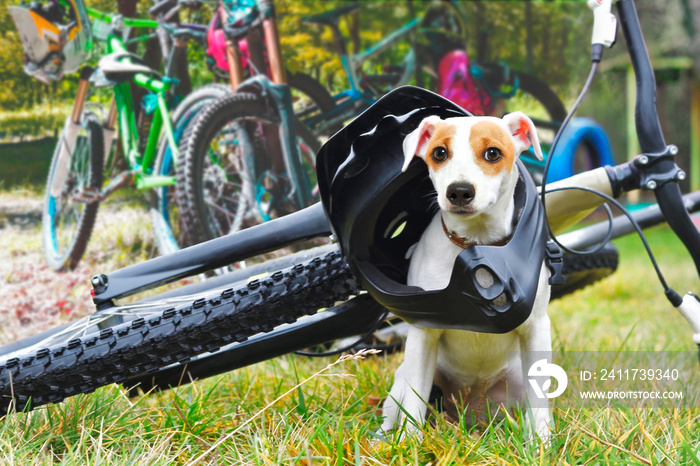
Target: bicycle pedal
86	196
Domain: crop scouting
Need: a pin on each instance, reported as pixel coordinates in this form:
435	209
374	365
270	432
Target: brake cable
670	293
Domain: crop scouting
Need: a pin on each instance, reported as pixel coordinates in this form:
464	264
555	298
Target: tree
692	26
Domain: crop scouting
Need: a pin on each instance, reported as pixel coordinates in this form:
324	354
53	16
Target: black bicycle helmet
377	212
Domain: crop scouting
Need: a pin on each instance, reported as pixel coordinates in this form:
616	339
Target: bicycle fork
69	136
282	96
279	98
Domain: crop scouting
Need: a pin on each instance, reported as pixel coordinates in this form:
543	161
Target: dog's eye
439	154
492	154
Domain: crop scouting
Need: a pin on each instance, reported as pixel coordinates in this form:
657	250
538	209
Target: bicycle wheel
165	217
72	193
544	95
227	181
583	270
311	101
126	341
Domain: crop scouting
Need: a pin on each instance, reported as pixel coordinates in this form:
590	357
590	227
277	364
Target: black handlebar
651	138
161	7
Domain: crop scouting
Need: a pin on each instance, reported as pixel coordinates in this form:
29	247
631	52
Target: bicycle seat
114	64
113	69
331	17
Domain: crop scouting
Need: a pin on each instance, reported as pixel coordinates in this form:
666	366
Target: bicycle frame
354	100
139	164
122	111
278	97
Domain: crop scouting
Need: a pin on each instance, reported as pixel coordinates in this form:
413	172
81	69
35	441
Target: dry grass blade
346	357
611	445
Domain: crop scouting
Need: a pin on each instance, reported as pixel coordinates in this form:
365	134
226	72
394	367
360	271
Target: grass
294	410
25	163
39	120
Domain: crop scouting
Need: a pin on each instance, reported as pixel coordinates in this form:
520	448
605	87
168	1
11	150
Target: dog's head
471	160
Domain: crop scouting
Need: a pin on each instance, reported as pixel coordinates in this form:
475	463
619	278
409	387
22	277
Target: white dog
471	161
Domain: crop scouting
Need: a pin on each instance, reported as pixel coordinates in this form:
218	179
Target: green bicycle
76	184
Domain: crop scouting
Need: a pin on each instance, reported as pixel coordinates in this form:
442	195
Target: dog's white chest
432	260
470	358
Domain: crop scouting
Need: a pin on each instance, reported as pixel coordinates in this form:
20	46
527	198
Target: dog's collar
462	242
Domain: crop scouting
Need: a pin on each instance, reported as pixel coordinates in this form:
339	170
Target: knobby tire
173	335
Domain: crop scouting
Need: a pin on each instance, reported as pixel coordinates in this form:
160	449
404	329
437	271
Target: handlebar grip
161	7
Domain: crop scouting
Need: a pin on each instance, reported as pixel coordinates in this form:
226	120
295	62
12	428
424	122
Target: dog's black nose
461	194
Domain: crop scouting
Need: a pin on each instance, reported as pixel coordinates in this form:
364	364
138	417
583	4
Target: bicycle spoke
219	209
69	205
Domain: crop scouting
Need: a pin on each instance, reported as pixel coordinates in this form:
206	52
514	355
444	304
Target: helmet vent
484	278
396	226
501	301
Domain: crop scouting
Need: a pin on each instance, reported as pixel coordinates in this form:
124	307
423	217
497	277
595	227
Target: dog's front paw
390	411
396	419
541	423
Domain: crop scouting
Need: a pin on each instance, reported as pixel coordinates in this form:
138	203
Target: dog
471	163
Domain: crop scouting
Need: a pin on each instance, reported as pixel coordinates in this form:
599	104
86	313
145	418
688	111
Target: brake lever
604	22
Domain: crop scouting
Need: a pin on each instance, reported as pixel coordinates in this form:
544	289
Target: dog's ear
416	142
524	133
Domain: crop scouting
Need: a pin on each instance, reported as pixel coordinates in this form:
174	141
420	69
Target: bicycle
244	58
75	181
149	342
228	180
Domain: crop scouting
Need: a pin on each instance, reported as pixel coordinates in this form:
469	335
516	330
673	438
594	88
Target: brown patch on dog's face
485	135
442	137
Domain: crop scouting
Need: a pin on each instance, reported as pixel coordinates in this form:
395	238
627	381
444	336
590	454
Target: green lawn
25	163
237	418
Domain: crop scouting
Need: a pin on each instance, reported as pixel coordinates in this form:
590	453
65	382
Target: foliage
546	38
37	120
309	47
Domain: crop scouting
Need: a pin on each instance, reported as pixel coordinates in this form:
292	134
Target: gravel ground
33	297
